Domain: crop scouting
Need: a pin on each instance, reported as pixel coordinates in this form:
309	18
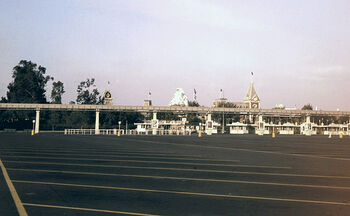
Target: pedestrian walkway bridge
202	109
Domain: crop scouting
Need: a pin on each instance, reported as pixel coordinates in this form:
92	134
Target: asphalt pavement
54	174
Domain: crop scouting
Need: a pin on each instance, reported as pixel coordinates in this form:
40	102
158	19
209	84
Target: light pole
119	132
33	124
126	127
223	120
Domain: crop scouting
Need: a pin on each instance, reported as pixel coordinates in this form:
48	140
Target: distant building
219	101
251	100
147	103
107	98
280	106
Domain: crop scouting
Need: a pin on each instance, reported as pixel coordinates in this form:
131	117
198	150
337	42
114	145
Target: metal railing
92	132
161	132
126	132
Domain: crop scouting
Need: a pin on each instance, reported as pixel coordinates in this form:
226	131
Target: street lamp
223	120
33	124
119	122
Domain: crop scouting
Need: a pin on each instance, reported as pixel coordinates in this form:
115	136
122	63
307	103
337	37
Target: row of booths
262	128
163	127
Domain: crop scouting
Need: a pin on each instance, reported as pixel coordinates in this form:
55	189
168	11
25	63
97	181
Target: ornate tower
108	98
252	99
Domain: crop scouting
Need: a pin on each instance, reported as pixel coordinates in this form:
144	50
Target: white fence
92	131
164	132
125	132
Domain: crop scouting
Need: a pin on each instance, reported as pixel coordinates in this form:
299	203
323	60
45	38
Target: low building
211	127
288	128
308	128
162	127
334	129
238	128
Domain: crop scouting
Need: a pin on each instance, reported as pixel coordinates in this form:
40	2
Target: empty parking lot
175	175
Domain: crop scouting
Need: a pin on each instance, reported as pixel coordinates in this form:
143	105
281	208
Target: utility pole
126	127
223	120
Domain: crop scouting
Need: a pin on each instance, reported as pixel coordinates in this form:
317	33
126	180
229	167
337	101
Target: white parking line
21	210
165	157
188	193
186	179
184	169
242	149
148	162
98	151
87	209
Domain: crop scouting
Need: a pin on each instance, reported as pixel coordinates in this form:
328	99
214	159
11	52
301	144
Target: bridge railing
204	110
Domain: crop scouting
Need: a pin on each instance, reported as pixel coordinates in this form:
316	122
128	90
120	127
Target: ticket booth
287	128
262	127
238	128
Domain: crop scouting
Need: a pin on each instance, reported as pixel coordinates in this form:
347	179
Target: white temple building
179	99
251	100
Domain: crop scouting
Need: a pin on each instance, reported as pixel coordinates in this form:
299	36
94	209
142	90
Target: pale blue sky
299	51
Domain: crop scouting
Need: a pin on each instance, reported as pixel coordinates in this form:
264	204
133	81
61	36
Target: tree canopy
88	93
28	85
193	118
193	104
307	107
57	92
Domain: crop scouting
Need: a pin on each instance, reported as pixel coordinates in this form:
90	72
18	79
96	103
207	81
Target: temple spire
251	94
252	98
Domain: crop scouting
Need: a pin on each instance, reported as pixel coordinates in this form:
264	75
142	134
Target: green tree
28	85
87	93
307	107
57	92
228	118
55	117
193	118
193	104
111	119
168	116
